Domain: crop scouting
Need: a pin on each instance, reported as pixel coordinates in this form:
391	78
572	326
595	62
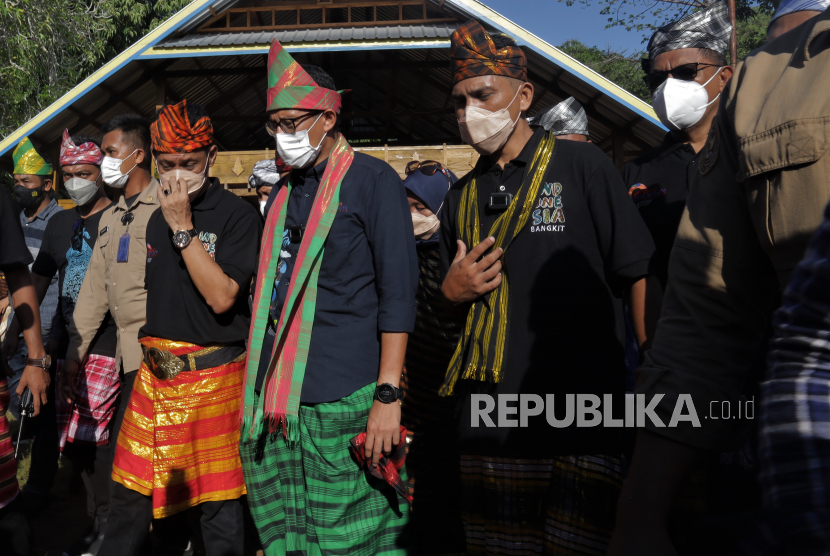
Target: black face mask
28	198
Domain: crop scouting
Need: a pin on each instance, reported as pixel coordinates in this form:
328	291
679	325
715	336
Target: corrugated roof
394	32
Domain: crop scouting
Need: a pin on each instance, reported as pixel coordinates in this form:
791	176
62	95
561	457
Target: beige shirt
763	184
113	286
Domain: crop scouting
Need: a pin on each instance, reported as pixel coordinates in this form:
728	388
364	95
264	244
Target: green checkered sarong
310	498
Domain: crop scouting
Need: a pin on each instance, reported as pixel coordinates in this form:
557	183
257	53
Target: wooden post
733	41
161	95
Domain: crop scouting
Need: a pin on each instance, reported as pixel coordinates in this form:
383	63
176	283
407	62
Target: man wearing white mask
686	72
178	445
334	305
539	246
68	244
114	280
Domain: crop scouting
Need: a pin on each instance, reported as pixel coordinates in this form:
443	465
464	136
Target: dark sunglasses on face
428	168
684	72
78	235
288	125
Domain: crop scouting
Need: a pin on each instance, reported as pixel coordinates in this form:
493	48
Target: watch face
386	393
181	239
47	362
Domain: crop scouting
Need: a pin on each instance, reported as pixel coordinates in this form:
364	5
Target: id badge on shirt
124	248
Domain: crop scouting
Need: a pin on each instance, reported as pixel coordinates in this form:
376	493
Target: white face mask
295	148
487	131
425	226
81	191
681	104
195	182
111	171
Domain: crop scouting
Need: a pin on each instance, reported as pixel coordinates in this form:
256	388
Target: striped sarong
310	497
561	506
179	439
8	465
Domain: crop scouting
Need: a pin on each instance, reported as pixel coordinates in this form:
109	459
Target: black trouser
131	514
45	448
15	535
95	463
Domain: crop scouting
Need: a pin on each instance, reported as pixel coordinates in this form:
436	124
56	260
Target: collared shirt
367	281
230	230
14	252
764	179
33	230
568	270
658	183
118	288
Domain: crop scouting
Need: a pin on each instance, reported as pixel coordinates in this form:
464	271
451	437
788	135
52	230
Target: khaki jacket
113	286
764	181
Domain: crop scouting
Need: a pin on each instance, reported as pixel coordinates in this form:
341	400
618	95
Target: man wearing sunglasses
686	73
757	199
68	243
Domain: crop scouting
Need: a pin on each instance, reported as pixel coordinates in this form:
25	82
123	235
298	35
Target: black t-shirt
658	183
367	280
13	250
58	254
230	230
567	276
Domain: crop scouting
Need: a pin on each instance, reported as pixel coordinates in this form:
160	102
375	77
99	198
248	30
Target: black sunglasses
428	168
288	125
78	235
684	72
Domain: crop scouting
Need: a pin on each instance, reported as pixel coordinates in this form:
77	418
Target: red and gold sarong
179	442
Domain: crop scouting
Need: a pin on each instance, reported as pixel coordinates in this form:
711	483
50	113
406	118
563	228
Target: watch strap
36	362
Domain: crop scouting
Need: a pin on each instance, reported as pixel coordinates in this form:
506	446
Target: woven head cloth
473	53
792	6
28	161
566	118
290	87
173	132
85	153
706	28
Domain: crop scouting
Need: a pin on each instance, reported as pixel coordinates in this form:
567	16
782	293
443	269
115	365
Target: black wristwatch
386	393
181	239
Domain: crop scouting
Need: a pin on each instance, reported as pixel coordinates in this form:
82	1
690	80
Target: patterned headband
85	153
473	54
172	132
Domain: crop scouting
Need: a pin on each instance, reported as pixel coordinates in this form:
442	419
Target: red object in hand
388	466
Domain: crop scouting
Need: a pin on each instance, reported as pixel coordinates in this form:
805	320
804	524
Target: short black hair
319	76
136	129
81	139
713	56
500	40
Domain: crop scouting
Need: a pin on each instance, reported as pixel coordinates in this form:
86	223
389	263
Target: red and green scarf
279	402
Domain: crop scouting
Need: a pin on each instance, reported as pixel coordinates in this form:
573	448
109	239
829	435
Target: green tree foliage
618	66
752	31
49	46
624	69
647	15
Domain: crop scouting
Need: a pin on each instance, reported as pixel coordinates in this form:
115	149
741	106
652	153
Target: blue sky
557	22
